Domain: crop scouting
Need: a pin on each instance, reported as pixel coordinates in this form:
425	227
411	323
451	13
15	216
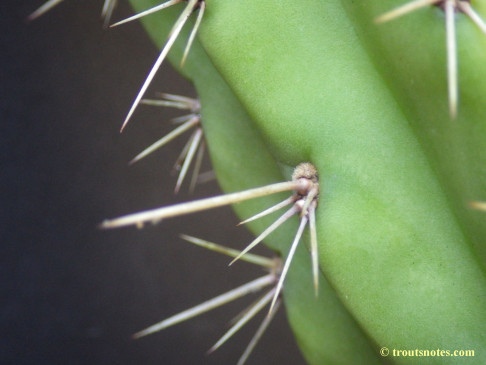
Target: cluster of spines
195	146
273	268
304	183
192	5
304	202
450	7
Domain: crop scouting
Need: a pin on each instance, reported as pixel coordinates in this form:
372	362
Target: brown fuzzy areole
306	171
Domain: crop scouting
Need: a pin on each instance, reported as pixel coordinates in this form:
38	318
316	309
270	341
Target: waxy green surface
287	82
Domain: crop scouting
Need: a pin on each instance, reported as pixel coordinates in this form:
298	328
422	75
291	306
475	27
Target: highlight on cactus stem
305	183
106	12
194	147
191	6
450	8
272	266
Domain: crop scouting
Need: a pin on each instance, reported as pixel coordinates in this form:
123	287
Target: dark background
73	294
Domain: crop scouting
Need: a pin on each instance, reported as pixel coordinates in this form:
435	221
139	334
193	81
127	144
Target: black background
73	294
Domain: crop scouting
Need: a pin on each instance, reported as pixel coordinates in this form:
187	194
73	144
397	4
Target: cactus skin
318	81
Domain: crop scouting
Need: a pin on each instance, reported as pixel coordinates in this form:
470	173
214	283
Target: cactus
391	114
